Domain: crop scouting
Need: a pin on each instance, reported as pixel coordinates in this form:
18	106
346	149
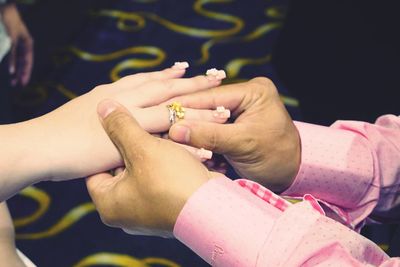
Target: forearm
24	156
224	224
55	146
8	252
77	146
351	166
236	227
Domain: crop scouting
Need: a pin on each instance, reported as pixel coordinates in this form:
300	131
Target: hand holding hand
262	144
160	176
70	142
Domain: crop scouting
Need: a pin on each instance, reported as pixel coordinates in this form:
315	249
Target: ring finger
156	119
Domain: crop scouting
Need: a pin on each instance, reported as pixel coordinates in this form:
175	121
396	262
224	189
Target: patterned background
80	44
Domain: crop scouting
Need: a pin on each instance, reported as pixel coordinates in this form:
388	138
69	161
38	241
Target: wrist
76	147
24	158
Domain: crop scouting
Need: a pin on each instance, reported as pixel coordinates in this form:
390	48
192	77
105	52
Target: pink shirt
352	168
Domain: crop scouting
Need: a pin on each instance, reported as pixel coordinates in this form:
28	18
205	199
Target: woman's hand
70	142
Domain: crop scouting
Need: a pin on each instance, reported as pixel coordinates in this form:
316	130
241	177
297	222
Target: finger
199	153
153	95
228	96
12	62
27	61
176	71
124	131
156	119
235	97
99	187
219	138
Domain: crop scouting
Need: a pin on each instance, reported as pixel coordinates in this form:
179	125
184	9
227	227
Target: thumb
219	138
123	130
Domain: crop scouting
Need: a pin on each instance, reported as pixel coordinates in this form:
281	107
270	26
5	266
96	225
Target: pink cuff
336	165
214	223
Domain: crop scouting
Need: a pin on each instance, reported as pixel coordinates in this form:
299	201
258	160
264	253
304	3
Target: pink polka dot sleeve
241	224
353	167
213	223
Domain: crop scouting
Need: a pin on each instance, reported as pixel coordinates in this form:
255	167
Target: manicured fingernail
214	74
180	65
222	113
204	153
181	133
105	108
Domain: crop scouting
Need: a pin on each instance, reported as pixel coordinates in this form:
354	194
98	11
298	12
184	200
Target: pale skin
7	244
70	142
21	55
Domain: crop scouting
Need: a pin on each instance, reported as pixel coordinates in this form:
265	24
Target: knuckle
263	86
264	81
213	141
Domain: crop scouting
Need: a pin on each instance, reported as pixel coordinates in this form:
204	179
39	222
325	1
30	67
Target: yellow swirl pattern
275	12
121	260
234	66
67	221
41	197
66	92
257	33
123	18
136	63
138	19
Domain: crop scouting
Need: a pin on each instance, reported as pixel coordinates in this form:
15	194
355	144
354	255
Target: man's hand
21	57
262	144
160	176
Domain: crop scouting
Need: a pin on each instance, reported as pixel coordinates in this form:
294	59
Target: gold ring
176	111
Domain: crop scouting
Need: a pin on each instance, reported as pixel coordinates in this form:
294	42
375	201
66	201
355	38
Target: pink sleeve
213	220
227	225
353	167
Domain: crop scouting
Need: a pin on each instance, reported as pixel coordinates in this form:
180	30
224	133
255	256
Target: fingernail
214	74
105	108
181	133
204	153
222	113
180	65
